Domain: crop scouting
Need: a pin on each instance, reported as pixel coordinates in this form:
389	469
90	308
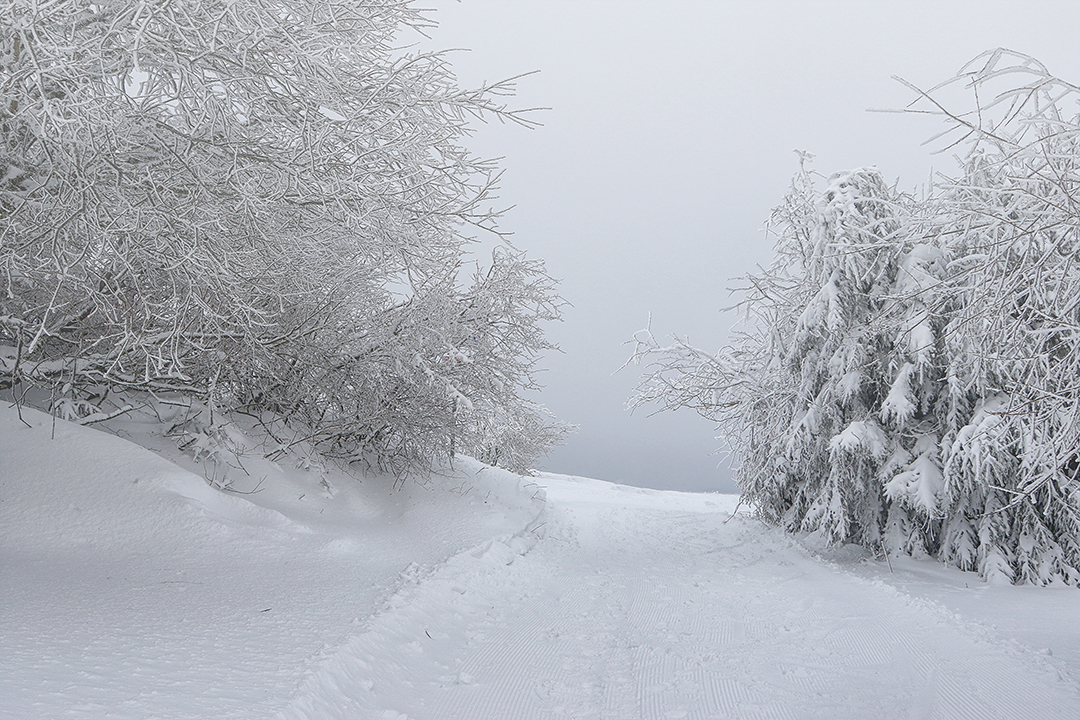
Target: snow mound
134	588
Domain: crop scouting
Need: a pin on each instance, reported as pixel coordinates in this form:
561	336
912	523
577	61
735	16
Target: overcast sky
669	139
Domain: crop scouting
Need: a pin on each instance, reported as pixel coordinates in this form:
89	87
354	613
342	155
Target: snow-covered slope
132	589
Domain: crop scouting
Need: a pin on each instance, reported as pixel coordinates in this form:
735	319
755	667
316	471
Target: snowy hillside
132	589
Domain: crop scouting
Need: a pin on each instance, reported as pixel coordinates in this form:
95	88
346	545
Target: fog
670	135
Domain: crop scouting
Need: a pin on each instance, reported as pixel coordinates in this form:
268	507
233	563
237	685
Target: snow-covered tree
440	370
908	378
1013	223
240	199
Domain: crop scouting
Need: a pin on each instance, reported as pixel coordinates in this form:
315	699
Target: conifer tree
908	379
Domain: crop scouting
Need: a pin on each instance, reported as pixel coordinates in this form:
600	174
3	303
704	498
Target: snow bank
134	589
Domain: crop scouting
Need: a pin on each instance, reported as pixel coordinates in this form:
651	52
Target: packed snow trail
640	604
131	589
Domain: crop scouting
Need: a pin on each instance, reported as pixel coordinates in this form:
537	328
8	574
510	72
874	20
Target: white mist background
670	136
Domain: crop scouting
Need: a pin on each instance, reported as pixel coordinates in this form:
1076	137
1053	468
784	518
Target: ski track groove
869	648
669	616
518	647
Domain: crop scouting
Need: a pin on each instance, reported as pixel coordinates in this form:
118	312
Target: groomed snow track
634	607
132	590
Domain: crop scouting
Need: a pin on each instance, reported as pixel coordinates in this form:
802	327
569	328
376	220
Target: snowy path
130	589
649	605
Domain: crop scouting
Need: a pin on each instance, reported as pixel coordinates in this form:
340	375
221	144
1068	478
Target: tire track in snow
511	646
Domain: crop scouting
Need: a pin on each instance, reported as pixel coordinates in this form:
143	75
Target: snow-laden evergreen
908	376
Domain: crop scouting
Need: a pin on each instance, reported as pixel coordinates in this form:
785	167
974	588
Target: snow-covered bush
259	203
908	376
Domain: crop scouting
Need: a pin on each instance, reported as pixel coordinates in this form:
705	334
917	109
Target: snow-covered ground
129	588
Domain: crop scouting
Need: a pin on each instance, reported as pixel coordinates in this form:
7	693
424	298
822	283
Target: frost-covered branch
229	200
908	375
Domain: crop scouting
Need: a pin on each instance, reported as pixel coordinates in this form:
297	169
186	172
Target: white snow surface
130	588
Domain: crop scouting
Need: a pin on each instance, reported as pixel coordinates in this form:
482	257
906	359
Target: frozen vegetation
270	210
234	240
907	375
134	589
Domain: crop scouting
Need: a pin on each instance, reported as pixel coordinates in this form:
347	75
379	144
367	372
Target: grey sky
670	137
